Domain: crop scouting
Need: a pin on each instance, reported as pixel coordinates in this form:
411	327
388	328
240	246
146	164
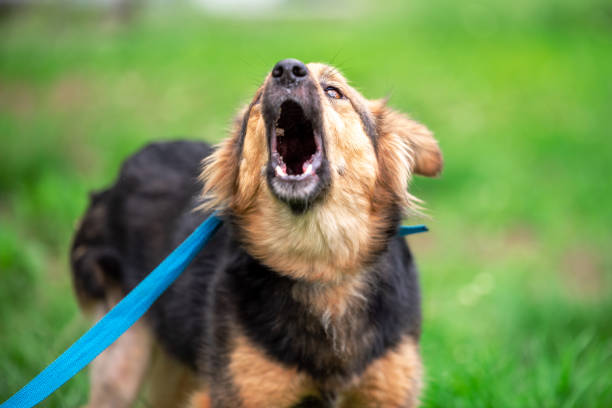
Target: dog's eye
333	92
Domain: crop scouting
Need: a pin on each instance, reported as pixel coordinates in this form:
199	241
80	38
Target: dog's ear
220	170
423	153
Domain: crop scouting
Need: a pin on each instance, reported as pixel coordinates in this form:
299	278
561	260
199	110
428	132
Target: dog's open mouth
297	171
295	145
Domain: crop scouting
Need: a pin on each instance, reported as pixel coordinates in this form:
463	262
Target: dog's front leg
248	378
392	381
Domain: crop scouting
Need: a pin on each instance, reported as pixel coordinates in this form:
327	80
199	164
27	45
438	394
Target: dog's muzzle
297	170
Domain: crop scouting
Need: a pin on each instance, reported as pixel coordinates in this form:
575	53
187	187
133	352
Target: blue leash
124	315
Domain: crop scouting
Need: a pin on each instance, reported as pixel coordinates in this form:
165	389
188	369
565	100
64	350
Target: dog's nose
289	71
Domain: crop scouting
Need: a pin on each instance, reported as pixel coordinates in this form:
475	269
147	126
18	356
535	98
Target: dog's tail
129	227
97	265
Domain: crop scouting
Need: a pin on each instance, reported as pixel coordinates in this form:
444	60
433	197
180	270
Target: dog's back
131	226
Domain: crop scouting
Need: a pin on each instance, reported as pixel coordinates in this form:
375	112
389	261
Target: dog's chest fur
331	344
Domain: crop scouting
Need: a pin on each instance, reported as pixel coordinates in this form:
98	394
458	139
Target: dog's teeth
308	169
279	171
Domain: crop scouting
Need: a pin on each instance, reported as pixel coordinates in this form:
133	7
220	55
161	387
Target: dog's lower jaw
299	198
300	195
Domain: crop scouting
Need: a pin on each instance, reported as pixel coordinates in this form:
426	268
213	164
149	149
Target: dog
306	296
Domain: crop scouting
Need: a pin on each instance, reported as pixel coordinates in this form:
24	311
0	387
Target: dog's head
315	174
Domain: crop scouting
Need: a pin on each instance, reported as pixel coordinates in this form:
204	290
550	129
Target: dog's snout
289	71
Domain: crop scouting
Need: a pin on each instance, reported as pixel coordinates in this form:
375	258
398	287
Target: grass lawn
517	268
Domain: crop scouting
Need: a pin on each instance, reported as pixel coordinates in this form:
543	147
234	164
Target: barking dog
305	297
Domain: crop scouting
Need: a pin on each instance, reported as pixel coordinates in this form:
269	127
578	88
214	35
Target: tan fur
339	307
332	300
262	382
220	171
393	381
420	148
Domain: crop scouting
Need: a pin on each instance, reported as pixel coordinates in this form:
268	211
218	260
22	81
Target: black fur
129	228
369	125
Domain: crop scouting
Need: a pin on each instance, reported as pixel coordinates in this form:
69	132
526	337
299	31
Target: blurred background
517	268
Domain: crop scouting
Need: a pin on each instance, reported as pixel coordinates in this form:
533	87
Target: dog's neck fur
335	291
336	306
323	246
327	251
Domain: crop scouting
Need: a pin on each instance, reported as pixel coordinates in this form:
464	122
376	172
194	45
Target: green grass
516	271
